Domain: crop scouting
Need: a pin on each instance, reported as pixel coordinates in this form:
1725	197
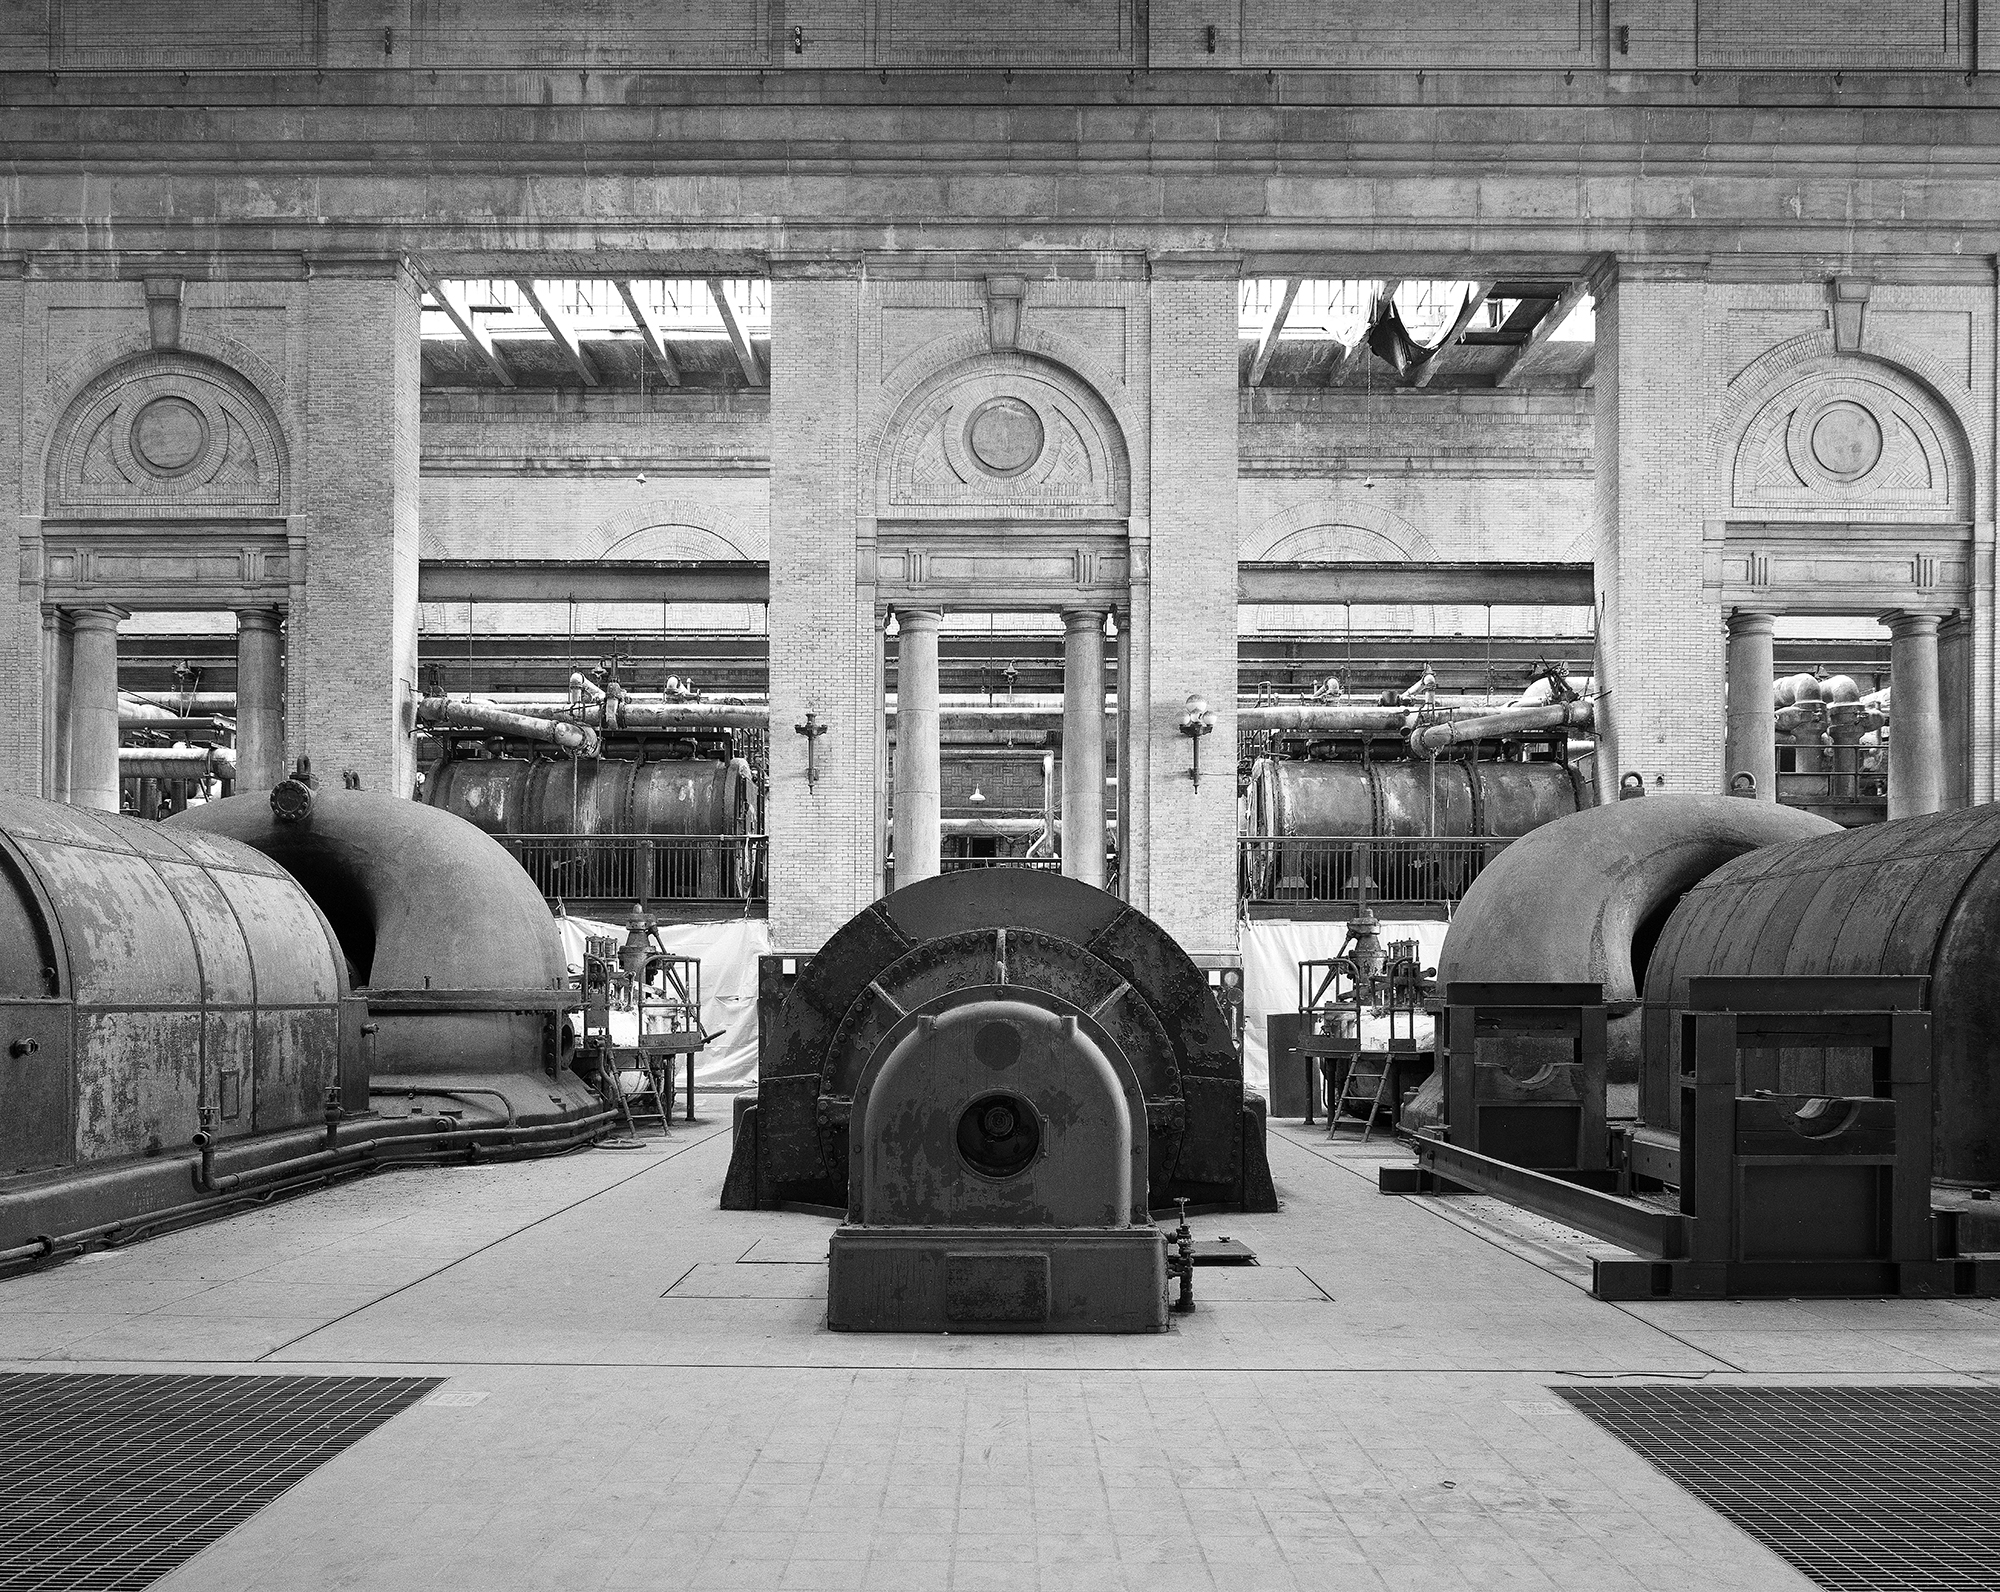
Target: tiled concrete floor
659	1407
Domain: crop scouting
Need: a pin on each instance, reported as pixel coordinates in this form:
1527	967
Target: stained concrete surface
641	1395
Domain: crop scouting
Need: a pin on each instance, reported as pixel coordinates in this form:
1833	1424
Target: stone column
1750	740
1916	733
919	794
1083	745
93	709
260	699
351	634
1955	708
58	670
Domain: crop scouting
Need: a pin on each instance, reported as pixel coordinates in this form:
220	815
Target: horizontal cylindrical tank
146	974
608	796
1584	899
449	940
1288	797
1918	896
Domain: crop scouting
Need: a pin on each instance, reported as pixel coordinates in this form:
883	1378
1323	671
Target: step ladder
652	1100
1360	1084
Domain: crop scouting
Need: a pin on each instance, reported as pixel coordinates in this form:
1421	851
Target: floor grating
107	1482
1859	1487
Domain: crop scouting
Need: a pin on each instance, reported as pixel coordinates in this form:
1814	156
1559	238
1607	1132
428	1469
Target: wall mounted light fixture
812	730
1195	723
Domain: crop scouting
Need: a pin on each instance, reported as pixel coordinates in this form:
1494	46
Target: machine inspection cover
1858	1487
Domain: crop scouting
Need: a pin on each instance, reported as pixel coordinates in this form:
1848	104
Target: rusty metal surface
1582	899
606	796
1409	798
146	975
1919	896
1069	946
421	900
1070	1102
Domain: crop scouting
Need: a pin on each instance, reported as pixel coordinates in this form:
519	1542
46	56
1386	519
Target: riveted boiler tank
1916	896
1005	1049
449	941
597	796
1356	800
145	975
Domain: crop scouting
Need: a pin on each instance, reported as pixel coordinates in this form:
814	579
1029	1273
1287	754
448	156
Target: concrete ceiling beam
1273	329
1427	372
1542	330
746	356
649	333
459	313
560	329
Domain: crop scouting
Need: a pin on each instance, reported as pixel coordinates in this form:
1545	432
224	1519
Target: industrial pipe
580	738
192	702
176	762
1507	721
1321	718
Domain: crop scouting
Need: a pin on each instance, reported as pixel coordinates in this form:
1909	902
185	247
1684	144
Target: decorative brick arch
1343	531
1002	435
654	533
167	434
1879	434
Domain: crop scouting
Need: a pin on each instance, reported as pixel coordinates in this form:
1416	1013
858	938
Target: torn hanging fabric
1390	341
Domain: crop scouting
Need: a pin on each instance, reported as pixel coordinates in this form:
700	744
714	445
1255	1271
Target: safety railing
712	870
961	864
1306	869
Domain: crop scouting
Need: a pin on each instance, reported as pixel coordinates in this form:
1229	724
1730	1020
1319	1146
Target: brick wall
1661	651
20	622
825	647
1185	620
352	658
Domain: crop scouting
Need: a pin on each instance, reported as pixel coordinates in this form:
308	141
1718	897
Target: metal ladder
1354	1088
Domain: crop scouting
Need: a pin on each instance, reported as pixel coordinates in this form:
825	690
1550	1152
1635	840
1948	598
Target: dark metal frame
1475	1089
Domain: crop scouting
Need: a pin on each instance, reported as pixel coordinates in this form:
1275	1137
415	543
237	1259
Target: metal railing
961	864
1355	867
701	869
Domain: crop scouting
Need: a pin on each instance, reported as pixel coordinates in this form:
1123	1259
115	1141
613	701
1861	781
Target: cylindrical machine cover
1583	899
446	935
1919	896
145	974
1065	1151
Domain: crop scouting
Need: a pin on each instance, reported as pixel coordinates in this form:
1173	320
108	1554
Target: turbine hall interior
1088	794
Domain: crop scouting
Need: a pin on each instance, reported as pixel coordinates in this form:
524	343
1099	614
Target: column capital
260	618
1909	622
98	618
1086	618
1751	622
918	618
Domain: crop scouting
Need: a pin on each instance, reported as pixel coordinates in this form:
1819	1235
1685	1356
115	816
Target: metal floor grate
108	1482
1859	1487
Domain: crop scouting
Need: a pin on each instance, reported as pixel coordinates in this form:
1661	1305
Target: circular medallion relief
1004	436
169	436
1846	441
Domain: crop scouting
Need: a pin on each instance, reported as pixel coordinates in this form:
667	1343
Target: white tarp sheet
728	953
1272	951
